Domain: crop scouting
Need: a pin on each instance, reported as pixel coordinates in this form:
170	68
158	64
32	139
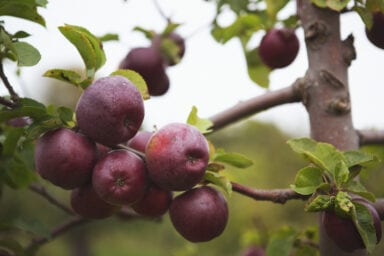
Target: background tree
329	185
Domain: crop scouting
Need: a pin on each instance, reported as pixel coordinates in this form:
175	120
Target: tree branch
370	137
249	107
44	193
8	85
280	196
7	103
59	230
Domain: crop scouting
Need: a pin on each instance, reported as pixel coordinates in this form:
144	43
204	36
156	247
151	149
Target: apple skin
140	140
177	156
155	202
110	110
199	214
87	203
147	61
343	231
120	177
376	34
279	47
177	39
253	251
65	158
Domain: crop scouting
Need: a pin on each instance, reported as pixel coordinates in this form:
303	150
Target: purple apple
200	214
376	34
120	177
65	158
110	110
177	156
140	140
157	43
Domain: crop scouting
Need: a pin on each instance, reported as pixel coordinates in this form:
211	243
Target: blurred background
211	77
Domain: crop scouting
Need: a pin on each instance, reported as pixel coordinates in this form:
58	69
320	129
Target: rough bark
325	91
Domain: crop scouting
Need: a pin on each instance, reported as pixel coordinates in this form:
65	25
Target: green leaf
28	107
147	33
11	141
358	157
341	173
324	155
258	72
343	204
365	15
25	9
319	203
320	3
136	79
17	173
219	180
68	76
281	242
26	54
65	114
243	27
202	124
21	34
33	226
364	223
89	47
233	159
337	5
274	6
356	187
109	37
307	180
170	28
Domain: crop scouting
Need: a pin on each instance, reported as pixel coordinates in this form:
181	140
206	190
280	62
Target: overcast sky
211	76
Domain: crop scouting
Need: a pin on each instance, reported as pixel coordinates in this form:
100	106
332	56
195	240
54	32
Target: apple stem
7	84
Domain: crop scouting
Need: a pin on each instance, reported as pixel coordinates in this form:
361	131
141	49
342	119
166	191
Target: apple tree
110	165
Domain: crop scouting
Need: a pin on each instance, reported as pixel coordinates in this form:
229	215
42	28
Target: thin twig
59	230
8	85
7	103
249	107
370	137
53	200
160	10
280	196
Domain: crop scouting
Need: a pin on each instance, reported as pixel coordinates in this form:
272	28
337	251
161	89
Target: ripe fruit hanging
65	158
279	47
344	232
155	202
148	62
160	42
120	177
200	214
140	140
177	155
376	33
110	110
87	203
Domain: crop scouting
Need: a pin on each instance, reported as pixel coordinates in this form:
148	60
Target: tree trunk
325	91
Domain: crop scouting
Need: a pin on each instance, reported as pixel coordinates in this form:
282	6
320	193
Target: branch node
349	51
316	34
339	106
331	79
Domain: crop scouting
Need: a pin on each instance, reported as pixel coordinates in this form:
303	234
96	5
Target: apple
177	156
155	202
65	158
253	251
376	34
110	110
343	231
147	61
87	203
120	177
140	140
199	214
278	47
159	42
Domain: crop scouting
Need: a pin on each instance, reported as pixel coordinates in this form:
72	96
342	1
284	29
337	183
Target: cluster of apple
151	62
109	163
